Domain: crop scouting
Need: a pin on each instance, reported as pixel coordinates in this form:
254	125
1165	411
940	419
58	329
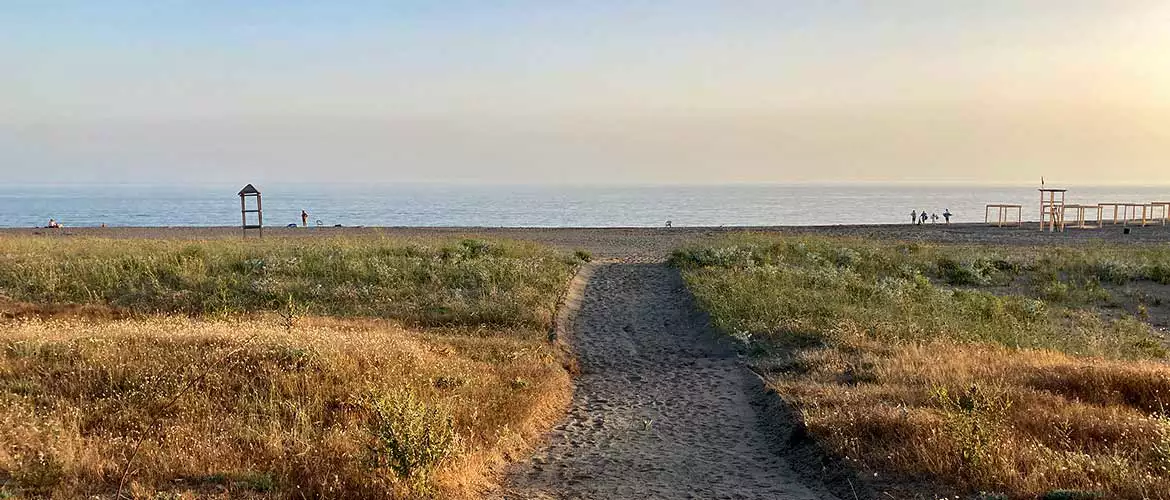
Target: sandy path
660	410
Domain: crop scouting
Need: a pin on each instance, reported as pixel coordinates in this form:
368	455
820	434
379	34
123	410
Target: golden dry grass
278	368
956	369
280	413
987	418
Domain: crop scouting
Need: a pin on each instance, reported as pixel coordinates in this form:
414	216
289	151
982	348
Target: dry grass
901	360
275	369
988	419
279	413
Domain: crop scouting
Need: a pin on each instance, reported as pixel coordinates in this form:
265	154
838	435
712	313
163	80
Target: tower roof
249	189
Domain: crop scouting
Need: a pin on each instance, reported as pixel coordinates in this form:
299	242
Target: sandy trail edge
661	408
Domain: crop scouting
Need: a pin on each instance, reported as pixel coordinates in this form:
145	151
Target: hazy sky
585	91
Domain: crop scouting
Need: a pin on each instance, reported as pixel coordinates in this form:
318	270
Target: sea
466	205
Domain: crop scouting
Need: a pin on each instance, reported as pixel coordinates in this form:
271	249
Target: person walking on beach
304	218
913	216
933	218
922	218
947	215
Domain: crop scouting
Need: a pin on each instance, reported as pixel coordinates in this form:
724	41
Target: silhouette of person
947	215
304	218
913	216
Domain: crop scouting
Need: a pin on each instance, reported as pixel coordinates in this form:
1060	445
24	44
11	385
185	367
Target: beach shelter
250	191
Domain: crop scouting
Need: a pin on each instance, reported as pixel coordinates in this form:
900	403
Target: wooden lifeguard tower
250	191
1052	208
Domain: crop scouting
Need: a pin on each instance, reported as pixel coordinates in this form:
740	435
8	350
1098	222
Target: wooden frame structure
1081	222
250	191
1052	208
1163	207
1147	213
1003	214
1116	209
1125	212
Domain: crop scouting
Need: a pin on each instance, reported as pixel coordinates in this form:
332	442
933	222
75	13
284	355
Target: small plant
39	472
258	481
1160	451
289	314
973	417
583	256
410	438
961	273
448	382
1070	495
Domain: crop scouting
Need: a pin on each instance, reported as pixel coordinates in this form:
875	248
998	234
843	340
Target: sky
585	91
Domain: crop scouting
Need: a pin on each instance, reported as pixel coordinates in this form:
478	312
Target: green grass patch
908	292
430	283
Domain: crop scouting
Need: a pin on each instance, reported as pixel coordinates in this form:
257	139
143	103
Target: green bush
958	273
409	438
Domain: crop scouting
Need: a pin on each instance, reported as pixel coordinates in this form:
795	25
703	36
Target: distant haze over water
529	206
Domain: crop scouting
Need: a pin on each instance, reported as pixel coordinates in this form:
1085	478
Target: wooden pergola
250	191
1081	221
1003	214
1160	211
1144	213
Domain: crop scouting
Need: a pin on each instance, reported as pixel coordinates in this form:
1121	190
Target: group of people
920	218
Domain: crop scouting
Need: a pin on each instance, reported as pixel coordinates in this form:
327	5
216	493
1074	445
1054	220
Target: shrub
409	437
1113	271
960	273
973	419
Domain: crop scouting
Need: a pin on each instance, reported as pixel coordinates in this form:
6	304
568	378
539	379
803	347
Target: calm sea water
526	206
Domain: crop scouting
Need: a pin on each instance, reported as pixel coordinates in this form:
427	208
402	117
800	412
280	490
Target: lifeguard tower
250	191
1052	208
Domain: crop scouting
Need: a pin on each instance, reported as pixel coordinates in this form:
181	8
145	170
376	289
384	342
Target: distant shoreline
770	227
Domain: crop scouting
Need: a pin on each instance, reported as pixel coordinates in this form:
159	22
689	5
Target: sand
661	409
